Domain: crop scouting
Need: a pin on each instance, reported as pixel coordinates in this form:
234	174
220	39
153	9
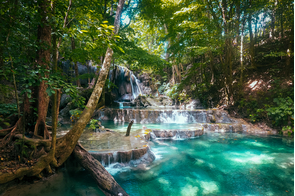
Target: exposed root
7	130
35	170
49	127
35	142
43	126
10	135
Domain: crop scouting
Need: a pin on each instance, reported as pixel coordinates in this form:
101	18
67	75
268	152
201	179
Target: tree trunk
77	74
282	19
129	128
44	35
104	180
75	62
251	40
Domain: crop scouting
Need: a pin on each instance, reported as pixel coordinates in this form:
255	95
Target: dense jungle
204	71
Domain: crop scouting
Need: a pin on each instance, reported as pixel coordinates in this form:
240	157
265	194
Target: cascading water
131	84
180	117
128	87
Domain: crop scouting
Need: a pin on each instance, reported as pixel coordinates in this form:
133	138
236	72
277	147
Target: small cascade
230	128
137	87
177	136
115	154
180	117
201	117
153	136
109	159
193	134
103	163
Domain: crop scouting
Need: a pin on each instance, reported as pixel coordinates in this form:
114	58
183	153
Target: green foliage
109	85
8	109
75	114
94	124
173	92
56	82
289	129
164	87
282	111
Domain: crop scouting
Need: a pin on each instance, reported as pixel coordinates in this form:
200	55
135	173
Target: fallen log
104	179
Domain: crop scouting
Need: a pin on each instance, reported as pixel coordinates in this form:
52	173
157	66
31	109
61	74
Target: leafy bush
173	92
75	114
283	110
164	87
8	109
94	124
109	85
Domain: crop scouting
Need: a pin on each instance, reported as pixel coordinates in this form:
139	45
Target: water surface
214	164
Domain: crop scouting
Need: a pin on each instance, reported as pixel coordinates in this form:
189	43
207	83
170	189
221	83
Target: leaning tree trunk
99	173
66	144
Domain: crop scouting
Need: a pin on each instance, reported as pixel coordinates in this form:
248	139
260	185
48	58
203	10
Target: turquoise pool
214	164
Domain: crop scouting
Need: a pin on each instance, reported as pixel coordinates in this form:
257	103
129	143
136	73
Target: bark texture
44	35
105	181
129	128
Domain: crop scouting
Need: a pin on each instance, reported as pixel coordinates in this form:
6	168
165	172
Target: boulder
126	97
64	100
65	112
141	101
194	104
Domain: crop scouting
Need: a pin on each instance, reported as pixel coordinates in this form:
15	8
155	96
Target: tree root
42	123
10	135
27	171
35	142
4	132
49	127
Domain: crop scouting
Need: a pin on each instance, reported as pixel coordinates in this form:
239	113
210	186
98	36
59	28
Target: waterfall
180	117
128	86
131	83
137	85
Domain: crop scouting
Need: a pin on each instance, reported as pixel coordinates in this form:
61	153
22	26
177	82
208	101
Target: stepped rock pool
213	164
